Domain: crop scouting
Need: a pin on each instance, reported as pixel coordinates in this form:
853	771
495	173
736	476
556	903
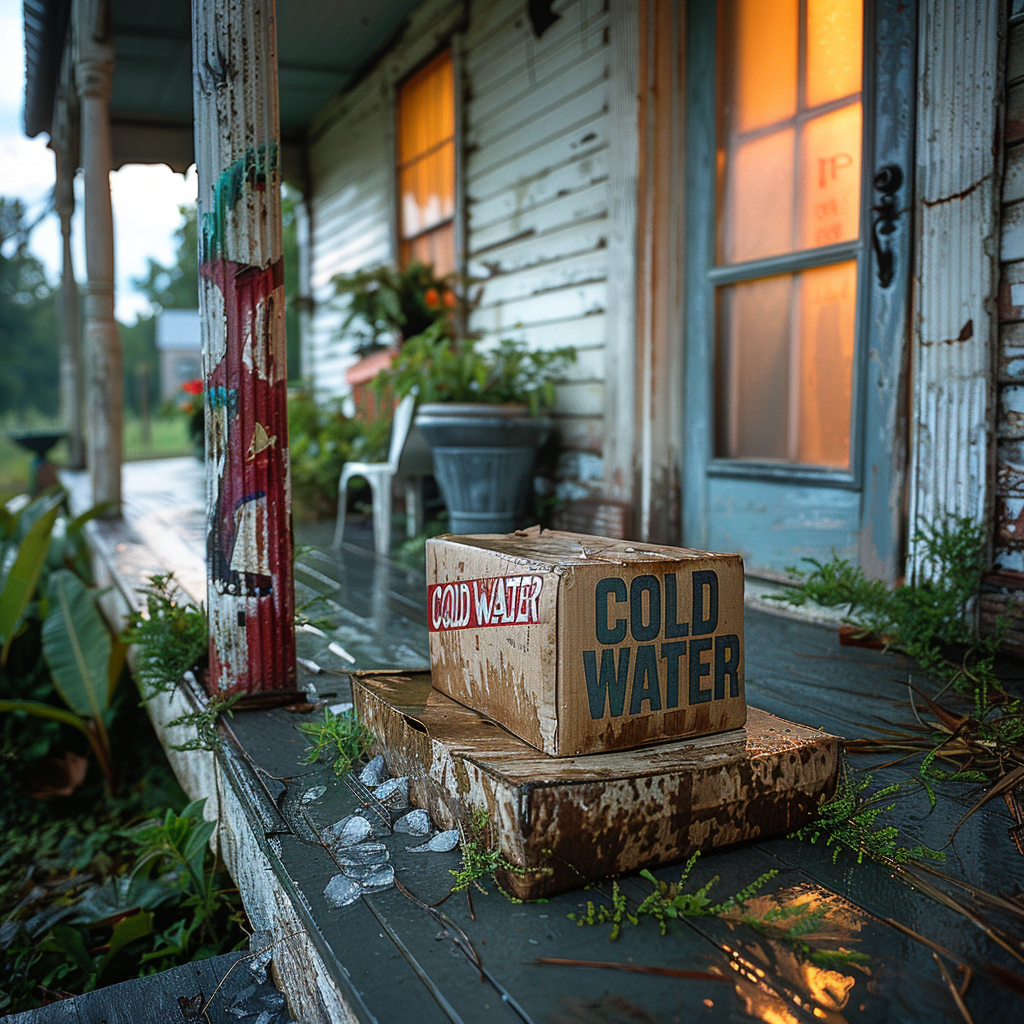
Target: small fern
667	901
481	857
172	635
850	821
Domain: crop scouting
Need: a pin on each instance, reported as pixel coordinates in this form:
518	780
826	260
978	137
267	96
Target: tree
176	286
29	334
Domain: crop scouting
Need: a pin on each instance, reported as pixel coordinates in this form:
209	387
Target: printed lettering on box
493	601
655	670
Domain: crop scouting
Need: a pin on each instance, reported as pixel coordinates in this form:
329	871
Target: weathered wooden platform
392	958
564	821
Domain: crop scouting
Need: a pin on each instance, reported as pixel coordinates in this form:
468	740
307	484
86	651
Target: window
788	229
426	166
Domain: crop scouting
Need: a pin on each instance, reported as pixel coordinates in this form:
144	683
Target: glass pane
827	313
830	186
834	49
427	190
757	219
759	56
784	367
753	369
789	172
436	248
426	108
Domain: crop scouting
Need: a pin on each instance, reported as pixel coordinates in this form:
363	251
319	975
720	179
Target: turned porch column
72	396
94	71
250	588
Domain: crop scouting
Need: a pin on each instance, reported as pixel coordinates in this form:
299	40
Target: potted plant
481	410
383	306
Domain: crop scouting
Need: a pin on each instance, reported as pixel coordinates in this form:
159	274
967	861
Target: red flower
192	387
431	298
449	299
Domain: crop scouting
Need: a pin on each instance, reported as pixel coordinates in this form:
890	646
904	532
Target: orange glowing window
789	182
426	165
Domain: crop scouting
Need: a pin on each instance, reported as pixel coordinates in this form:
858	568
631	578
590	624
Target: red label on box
495	601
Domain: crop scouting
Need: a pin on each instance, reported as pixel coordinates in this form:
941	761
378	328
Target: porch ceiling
321	49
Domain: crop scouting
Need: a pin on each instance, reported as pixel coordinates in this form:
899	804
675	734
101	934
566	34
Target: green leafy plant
340	738
56	643
203	723
807	923
849	821
931	620
179	842
667	900
386	302
481	857
172	634
439	369
321	440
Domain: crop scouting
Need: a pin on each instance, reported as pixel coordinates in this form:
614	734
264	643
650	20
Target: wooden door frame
884	327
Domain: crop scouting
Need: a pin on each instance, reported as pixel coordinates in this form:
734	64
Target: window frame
452	48
704	195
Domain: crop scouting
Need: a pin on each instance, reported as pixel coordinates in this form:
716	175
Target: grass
168	438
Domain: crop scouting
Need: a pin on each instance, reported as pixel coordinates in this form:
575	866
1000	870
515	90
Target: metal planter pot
483	458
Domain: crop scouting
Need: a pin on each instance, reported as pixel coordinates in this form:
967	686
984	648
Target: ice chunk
415	823
441	843
342	891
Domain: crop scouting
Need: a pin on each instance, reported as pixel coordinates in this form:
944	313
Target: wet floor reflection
806	967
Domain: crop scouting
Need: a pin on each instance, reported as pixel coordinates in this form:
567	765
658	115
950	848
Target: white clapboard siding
533	250
535	185
587	203
516	68
583	138
577	174
514	113
350	166
584	268
537	194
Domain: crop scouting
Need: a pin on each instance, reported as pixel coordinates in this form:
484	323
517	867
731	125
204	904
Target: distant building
177	341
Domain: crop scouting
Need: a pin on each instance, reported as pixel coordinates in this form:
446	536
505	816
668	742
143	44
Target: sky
145	198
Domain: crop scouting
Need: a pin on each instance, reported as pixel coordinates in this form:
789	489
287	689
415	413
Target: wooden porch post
250	587
71	376
94	70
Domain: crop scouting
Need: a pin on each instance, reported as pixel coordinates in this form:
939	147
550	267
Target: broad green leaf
198	841
24	575
40	710
52	497
77	524
126	930
76	645
69	941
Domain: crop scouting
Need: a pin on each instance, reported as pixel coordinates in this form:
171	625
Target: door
798	151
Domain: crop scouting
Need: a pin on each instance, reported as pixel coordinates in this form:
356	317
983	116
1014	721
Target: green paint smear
256	166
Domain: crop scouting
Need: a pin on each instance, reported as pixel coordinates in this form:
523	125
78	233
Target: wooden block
566	821
580	644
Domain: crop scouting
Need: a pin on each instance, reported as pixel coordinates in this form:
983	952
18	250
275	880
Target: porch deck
393	957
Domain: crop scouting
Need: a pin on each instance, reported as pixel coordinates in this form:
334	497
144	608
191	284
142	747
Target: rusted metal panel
563	820
961	86
250	592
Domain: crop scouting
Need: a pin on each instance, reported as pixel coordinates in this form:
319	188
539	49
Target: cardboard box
566	821
581	644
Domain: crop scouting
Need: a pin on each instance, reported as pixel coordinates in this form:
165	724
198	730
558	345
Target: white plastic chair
409	457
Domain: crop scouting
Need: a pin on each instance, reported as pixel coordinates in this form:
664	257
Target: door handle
888	181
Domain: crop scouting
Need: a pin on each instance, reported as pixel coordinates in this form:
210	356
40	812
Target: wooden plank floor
397	959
